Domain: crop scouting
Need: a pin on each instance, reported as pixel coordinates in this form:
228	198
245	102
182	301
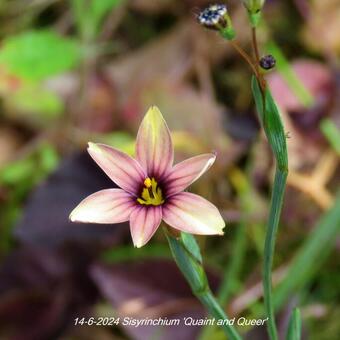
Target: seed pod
267	62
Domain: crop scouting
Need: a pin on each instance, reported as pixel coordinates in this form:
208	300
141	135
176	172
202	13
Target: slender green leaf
269	246
332	133
189	266
191	246
194	273
35	103
294	327
273	127
272	124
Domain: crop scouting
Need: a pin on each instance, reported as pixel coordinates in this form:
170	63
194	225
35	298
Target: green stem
269	247
294	327
215	310
186	254
272	125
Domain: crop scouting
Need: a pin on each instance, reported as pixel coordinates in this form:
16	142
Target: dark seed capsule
267	62
213	17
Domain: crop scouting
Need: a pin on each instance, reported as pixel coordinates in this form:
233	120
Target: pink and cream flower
151	187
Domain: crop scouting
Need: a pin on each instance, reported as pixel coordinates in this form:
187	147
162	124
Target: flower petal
154	150
193	214
144	222
187	172
121	168
105	206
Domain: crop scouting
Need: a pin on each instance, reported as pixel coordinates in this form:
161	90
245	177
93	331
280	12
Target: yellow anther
151	193
148	182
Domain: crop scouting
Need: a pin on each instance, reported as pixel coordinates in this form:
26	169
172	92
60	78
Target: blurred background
77	71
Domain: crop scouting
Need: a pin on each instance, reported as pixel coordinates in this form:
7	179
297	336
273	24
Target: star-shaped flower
151	188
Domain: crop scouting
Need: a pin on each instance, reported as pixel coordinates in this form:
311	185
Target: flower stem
255	46
186	254
215	310
275	133
245	56
272	124
269	248
260	77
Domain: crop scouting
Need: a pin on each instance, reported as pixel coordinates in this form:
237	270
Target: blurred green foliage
36	55
32	168
332	133
40	103
19	178
89	15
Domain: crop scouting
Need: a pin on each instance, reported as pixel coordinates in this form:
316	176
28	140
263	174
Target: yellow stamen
151	194
148	182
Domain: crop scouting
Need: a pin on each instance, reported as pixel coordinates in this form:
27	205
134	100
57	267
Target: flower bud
253	6
213	17
267	62
254	10
216	17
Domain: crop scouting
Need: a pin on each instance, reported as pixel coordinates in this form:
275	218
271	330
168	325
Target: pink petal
193	214
154	150
105	206
187	172
144	222
121	168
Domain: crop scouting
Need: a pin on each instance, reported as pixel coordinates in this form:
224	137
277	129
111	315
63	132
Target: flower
151	188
